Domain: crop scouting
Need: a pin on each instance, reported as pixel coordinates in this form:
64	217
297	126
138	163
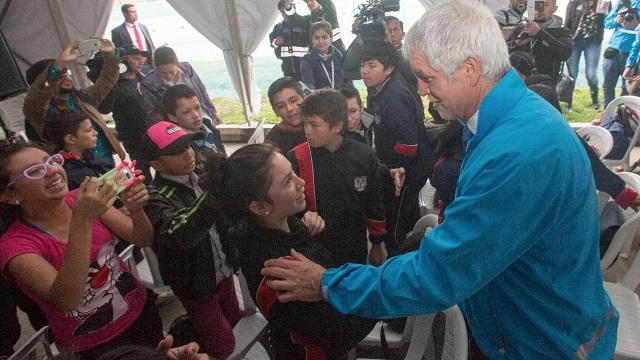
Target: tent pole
236	41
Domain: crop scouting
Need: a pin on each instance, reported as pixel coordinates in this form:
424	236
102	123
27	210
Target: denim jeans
591	49
613	69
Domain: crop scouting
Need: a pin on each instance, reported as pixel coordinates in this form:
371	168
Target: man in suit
133	34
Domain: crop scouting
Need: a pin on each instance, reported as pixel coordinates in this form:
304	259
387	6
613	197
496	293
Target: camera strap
326	72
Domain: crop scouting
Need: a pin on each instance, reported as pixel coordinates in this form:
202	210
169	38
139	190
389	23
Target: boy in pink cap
193	252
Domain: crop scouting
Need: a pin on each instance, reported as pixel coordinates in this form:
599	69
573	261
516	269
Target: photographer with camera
623	20
377	27
290	38
52	91
544	38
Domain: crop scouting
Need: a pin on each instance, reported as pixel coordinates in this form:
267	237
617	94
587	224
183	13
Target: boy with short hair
355	127
400	137
181	106
342	180
194	256
75	138
285	96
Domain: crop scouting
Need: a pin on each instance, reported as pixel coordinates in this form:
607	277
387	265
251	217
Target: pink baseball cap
165	138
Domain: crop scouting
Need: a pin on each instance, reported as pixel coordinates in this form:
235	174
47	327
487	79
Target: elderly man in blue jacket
518	250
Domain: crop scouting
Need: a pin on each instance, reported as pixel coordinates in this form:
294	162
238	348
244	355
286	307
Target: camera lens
630	16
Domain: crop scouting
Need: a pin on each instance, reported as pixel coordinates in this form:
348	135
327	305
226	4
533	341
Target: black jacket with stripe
182	242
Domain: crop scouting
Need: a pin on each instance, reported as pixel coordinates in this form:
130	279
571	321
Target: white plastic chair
127	257
425	199
598	138
251	328
258	135
37	347
416	331
148	271
456	344
627	303
623	238
628	100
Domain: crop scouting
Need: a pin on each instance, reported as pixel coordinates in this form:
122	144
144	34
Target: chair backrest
455	337
251	327
633	101
427	195
37	347
627	231
258	135
631	279
127	256
598	138
429	220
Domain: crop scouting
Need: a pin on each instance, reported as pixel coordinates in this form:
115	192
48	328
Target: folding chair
623	238
628	100
627	303
37	347
251	328
416	327
258	135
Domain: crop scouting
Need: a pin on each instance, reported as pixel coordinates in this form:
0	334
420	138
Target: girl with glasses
58	247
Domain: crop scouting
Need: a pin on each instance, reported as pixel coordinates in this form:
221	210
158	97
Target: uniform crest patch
360	183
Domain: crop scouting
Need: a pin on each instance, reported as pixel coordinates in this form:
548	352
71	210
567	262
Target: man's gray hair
449	33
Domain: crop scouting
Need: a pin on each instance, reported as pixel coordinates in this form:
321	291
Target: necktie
138	37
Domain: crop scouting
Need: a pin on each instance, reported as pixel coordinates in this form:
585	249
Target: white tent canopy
38	29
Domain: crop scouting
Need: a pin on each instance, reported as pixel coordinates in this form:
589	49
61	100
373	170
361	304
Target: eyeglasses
39	171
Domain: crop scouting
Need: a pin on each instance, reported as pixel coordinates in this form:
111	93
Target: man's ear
339	126
258	208
472	70
389	70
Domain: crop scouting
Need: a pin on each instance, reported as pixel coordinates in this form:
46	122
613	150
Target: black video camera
371	17
628	11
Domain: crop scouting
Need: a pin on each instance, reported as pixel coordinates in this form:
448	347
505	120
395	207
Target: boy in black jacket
76	140
193	254
181	106
342	180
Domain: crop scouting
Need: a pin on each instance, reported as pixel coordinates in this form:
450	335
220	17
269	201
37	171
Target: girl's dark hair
321	25
548	93
235	182
9	147
65	123
523	62
164	55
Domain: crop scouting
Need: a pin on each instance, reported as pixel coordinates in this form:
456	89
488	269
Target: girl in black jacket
257	188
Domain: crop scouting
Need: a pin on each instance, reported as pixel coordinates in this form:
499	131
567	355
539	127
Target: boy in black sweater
342	180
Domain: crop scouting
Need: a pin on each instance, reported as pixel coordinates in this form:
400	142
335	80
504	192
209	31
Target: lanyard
326	72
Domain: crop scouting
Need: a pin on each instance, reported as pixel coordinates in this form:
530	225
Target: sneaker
595	106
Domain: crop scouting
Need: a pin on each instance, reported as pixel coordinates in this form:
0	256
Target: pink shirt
113	298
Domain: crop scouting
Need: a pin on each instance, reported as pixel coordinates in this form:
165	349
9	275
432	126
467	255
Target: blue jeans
613	69
591	49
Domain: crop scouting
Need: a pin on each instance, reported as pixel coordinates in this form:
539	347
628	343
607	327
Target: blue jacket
317	73
518	250
621	39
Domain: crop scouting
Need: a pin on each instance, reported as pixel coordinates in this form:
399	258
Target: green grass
582	110
232	113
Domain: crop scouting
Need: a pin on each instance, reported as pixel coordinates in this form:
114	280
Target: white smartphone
90	45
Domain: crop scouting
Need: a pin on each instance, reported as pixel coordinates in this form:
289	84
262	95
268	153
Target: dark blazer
120	36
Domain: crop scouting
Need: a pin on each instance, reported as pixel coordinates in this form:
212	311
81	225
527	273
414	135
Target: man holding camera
290	38
544	38
623	19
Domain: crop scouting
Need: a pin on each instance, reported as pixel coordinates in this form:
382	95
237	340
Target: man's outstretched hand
294	277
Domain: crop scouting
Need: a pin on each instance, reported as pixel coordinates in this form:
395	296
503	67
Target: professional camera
627	10
371	17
